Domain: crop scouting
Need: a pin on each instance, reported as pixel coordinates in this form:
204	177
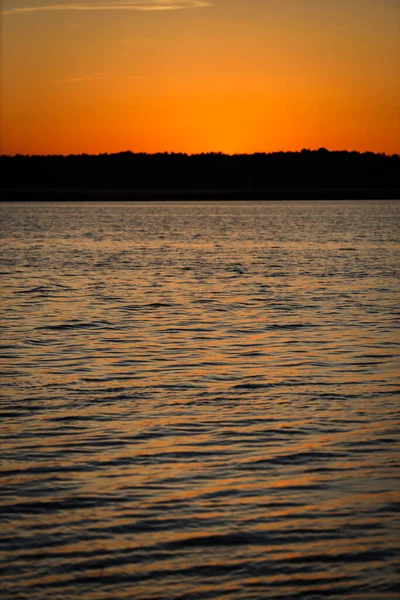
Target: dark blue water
200	400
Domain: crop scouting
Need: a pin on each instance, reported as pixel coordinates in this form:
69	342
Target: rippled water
200	400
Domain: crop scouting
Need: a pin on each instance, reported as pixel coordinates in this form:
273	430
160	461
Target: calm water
200	400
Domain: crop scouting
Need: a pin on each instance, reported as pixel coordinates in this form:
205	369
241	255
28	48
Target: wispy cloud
87	5
101	77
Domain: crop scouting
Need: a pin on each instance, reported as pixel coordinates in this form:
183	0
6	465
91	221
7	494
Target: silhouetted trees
309	170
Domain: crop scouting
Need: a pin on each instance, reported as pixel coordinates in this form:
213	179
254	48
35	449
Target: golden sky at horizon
199	76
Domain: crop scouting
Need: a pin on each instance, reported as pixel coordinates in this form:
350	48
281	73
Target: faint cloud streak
103	5
100	77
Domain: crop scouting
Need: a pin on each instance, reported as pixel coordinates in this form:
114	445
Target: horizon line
194	154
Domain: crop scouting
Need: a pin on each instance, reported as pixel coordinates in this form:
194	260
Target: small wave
79	325
253	386
150	306
43	289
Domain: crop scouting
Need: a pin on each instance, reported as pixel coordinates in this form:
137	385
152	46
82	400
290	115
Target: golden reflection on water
197	410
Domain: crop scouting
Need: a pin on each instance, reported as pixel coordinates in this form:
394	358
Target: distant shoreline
305	175
57	194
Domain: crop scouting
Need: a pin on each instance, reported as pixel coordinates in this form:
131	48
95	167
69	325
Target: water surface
199	400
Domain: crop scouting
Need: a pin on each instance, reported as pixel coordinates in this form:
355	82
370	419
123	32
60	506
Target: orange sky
198	76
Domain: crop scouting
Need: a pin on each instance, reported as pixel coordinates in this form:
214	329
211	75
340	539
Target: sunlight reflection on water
199	400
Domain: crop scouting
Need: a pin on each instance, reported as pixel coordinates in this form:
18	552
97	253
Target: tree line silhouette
306	170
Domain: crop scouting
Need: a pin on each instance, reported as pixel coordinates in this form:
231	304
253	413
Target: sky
232	76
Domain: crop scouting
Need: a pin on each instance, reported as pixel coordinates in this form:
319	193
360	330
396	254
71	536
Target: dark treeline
305	170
